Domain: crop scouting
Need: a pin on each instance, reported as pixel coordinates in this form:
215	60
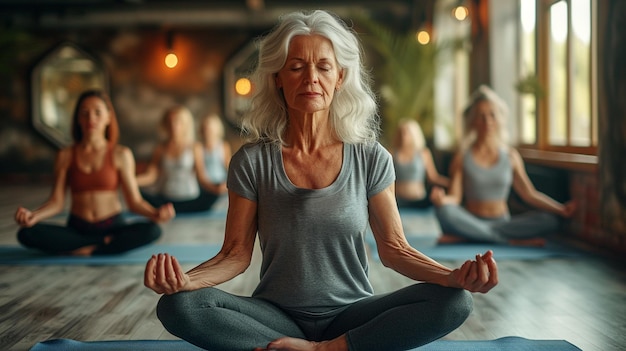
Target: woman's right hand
569	208
437	195
165	275
24	217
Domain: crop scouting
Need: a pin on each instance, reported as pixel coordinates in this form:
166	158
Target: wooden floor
580	300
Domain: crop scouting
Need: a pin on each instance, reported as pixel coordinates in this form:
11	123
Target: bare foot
294	344
536	242
83	251
450	239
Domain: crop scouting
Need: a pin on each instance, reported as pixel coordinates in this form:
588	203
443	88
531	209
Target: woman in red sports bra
94	168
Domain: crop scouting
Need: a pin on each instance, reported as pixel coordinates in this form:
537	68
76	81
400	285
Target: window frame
542	120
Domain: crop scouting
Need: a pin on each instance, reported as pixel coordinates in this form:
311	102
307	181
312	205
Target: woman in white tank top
177	166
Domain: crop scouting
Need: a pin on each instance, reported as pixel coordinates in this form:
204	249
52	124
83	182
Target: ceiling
223	13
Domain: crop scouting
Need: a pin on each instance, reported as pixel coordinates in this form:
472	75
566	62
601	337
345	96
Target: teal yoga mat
185	253
464	251
501	252
510	343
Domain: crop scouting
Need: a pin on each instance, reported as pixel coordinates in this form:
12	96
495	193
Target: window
557	66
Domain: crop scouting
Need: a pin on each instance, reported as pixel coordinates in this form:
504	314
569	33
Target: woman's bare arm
478	275
454	195
434	177
164	275
524	187
56	200
125	163
151	173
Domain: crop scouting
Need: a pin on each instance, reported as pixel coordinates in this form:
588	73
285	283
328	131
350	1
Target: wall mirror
58	79
237	87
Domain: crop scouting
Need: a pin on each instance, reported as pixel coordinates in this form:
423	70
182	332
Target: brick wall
598	222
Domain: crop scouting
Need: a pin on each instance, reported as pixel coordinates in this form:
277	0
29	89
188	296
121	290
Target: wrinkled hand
24	217
165	275
165	213
479	275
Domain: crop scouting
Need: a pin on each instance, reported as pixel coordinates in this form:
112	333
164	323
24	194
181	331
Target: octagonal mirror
58	79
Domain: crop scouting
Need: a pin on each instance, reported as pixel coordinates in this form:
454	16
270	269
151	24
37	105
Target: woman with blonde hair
177	167
482	175
217	153
414	166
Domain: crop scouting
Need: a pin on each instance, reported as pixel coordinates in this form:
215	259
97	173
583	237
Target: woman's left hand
165	213
479	275
164	275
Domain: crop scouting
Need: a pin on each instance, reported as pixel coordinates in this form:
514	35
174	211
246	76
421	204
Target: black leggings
79	233
417	204
203	202
407	318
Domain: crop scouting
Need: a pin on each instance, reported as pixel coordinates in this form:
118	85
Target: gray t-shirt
314	255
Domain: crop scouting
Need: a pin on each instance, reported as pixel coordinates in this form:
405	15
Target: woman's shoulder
372	150
120	150
514	155
121	154
257	146
254	150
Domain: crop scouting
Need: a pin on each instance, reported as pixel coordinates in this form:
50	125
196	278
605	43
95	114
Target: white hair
353	111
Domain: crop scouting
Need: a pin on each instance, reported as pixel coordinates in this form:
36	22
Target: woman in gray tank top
414	166
482	174
307	186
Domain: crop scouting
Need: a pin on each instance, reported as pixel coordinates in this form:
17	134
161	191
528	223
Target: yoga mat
501	252
509	343
185	253
132	217
420	222
463	251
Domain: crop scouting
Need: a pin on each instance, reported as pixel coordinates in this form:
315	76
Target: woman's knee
459	304
25	236
150	231
174	305
154	232
447	216
173	310
177	310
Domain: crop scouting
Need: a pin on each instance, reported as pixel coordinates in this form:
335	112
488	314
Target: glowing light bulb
243	86
422	37
171	60
460	13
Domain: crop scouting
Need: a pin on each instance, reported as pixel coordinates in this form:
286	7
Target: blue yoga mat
131	217
185	253
510	343
464	251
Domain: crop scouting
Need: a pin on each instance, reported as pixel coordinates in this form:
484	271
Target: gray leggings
412	316
456	220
